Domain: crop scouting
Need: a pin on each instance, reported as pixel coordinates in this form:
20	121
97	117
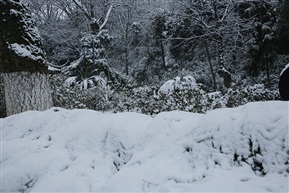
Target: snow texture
62	150
26	51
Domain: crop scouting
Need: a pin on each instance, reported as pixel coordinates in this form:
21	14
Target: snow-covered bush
178	84
71	81
93	81
153	100
63	96
72	97
148	100
239	96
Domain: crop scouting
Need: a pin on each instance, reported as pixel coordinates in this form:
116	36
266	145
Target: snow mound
239	149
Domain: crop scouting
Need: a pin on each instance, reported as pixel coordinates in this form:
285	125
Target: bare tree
214	27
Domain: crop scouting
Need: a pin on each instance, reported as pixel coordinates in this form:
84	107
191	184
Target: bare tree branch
106	18
85	12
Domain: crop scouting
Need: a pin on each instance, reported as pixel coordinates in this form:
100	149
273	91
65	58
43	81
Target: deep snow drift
243	149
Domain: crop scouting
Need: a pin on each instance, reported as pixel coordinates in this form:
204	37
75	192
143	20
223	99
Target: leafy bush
67	95
177	94
235	97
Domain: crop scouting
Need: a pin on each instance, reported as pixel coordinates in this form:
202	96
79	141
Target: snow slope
242	149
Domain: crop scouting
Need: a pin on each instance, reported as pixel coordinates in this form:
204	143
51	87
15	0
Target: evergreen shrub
149	100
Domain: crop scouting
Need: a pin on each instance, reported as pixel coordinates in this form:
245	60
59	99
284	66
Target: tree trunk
2	99
268	72
163	55
211	67
126	48
126	60
26	91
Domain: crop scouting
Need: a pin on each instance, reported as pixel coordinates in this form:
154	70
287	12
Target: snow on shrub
70	96
178	84
70	82
152	100
84	84
239	96
189	82
98	82
169	87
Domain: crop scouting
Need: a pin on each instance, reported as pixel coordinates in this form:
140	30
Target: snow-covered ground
242	149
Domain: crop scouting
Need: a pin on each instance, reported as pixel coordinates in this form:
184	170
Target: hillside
242	149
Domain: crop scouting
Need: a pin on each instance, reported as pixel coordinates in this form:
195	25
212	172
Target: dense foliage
234	50
153	100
